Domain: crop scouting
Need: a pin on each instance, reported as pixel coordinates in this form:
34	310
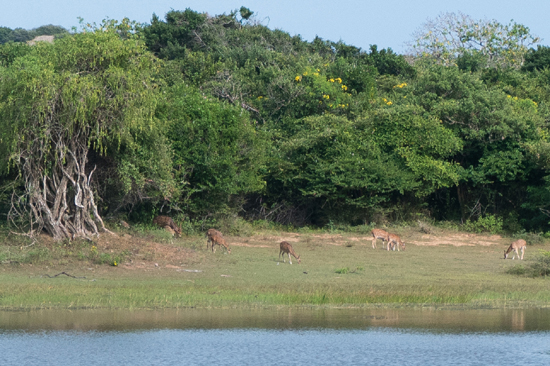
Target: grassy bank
337	270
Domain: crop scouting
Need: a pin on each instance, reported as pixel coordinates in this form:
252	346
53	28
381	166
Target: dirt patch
458	239
143	252
410	237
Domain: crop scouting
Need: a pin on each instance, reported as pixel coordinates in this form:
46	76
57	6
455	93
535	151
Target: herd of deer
215	237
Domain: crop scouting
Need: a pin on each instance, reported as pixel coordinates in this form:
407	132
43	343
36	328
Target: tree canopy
212	116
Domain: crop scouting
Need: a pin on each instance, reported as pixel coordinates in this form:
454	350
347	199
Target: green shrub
539	266
488	223
518	269
530	238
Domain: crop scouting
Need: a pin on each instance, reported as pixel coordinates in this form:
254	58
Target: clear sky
386	23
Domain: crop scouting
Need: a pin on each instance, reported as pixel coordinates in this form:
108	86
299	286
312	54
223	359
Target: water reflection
457	321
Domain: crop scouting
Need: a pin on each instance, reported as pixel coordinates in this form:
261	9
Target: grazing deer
167	223
287	248
217	239
395	241
379	234
516	247
209	234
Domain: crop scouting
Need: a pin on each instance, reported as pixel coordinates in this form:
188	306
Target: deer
287	248
379	234
168	224
218	239
395	241
209	234
516	247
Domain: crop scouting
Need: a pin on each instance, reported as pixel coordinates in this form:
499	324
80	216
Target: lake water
271	337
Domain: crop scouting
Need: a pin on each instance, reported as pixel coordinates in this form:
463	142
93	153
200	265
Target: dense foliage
259	123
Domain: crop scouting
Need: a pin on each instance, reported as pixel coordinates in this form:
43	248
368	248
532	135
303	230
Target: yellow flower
344	87
389	103
298	78
331	80
326	96
338	80
260	97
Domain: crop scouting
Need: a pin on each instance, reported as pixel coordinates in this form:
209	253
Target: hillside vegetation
218	119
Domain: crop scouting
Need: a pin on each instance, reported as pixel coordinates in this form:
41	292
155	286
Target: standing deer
217	239
379	234
168	224
209	234
516	247
287	248
395	241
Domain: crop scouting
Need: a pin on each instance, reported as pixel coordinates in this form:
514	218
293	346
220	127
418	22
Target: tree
5	34
538	59
495	128
91	92
451	35
218	151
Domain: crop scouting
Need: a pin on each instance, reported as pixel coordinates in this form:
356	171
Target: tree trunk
60	198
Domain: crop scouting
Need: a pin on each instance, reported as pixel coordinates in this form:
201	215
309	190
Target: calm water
266	337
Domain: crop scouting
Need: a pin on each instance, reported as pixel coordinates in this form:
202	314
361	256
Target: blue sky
388	23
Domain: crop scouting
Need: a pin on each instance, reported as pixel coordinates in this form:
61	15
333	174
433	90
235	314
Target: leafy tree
451	35
494	126
218	151
388	62
89	93
538	59
5	34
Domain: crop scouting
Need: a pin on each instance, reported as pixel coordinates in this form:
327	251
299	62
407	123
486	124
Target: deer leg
522	252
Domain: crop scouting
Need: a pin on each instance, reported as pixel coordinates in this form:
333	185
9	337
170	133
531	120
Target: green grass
252	277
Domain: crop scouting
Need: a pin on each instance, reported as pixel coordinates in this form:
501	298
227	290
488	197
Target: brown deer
516	247
217	239
395	241
167	223
379	234
209	234
287	248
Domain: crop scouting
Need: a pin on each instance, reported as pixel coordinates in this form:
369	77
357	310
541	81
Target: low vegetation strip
336	270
